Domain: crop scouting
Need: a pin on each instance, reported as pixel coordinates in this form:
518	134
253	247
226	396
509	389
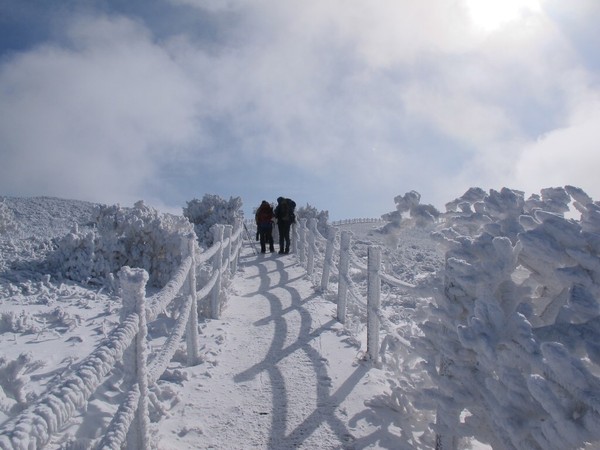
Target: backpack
286	210
264	214
292	205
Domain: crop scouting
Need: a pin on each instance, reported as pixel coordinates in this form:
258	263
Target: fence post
133	285
343	271
227	251
192	325
328	258
312	230
236	254
294	237
373	300
215	302
302	241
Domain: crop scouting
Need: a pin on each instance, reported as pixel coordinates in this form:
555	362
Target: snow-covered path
295	381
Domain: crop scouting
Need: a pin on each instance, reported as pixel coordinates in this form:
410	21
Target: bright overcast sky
342	104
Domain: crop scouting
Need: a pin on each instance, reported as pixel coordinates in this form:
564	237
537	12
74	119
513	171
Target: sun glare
490	15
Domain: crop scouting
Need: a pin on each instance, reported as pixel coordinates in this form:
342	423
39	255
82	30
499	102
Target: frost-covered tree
209	211
13	382
410	204
7	222
311	212
511	343
137	237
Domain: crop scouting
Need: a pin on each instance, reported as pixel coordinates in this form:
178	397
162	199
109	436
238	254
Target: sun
489	15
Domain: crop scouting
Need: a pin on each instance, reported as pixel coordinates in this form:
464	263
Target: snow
277	369
493	325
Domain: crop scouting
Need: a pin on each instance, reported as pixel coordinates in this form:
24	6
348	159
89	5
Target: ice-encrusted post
373	300
328	258
343	271
294	237
236	254
192	324
215	306
302	241
133	284
227	233
312	230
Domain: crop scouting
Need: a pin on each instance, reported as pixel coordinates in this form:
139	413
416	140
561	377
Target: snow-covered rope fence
309	257
337	223
33	428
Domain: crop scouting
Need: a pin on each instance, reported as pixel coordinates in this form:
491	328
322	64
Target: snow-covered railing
337	223
127	343
309	255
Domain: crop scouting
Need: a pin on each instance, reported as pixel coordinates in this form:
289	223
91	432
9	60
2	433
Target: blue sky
340	104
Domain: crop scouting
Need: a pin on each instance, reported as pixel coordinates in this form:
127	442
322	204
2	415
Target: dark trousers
265	234
284	236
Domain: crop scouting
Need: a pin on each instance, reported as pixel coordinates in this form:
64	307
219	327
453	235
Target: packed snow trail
295	377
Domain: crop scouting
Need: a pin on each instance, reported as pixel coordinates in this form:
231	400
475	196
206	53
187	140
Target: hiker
284	213
264	226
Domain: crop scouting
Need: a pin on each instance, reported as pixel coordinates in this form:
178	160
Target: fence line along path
278	370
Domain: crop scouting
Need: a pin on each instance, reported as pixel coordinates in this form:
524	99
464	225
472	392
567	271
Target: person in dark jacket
284	213
264	226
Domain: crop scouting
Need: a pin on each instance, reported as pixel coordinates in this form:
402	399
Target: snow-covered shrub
209	211
310	212
138	237
14	322
511	345
7	222
418	213
13	380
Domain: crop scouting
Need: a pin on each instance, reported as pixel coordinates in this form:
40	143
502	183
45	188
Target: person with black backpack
284	213
264	226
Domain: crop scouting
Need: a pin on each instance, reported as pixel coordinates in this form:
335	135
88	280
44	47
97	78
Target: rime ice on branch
514	333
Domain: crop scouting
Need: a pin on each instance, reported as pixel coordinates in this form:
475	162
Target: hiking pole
251	241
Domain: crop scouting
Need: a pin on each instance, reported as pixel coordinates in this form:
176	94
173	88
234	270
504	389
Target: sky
340	104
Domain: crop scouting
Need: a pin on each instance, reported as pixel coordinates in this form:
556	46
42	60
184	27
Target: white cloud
85	120
457	114
402	95
565	156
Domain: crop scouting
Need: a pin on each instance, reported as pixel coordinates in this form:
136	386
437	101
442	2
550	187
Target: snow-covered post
236	254
328	258
227	251
215	306
192	324
312	230
302	241
343	271
294	237
373	300
133	284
